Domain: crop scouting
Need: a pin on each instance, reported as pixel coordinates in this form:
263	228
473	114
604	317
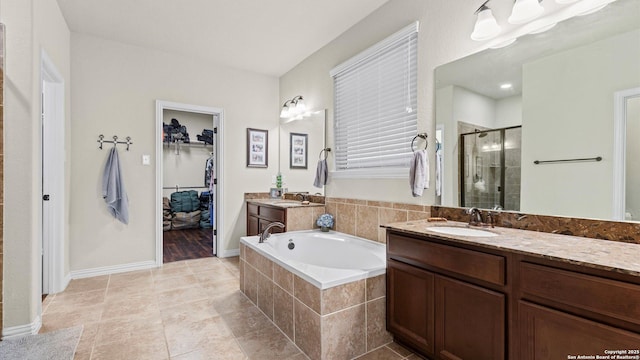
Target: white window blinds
376	106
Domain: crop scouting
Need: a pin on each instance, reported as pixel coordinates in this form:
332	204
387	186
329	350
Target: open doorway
188	180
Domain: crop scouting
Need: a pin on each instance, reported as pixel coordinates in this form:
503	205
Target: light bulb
486	25
525	10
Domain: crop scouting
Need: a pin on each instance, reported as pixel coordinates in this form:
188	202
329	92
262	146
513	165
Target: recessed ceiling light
506	86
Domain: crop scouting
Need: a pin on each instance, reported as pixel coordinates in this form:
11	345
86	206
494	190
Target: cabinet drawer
474	264
615	299
271	214
252	209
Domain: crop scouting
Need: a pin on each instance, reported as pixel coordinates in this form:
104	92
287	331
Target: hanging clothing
209	172
113	189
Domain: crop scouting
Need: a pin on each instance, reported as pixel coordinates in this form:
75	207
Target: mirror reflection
548	97
301	142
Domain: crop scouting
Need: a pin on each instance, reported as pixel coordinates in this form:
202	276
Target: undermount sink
461	231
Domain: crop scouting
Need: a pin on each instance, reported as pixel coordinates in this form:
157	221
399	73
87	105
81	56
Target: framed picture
297	151
257	148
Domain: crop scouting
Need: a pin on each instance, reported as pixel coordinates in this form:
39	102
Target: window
375	107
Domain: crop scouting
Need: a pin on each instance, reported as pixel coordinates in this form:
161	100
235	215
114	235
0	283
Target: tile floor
186	310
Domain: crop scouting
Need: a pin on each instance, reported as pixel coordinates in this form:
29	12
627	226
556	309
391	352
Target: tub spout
265	234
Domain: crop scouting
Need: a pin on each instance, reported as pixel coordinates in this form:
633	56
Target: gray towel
419	172
113	190
321	174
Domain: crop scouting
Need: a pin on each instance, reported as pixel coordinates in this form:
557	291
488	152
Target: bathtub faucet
265	234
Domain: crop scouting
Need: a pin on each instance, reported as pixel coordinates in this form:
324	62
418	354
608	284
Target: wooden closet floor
187	244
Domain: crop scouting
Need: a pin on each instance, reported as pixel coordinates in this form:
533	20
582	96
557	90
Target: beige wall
444	36
114	89
31	26
558	125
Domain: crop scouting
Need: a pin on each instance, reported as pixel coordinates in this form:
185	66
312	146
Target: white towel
113	190
439	172
419	172
321	174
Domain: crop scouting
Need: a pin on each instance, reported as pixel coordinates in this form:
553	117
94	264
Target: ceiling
264	36
484	72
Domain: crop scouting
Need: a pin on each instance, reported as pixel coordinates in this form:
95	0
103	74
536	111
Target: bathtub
324	259
327	294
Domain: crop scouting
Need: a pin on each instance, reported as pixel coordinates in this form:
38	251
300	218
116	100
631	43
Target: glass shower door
490	169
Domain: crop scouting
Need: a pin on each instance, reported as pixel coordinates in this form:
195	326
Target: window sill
381	173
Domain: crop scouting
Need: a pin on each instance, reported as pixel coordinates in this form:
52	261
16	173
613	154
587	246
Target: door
470	321
410	305
547	334
52	125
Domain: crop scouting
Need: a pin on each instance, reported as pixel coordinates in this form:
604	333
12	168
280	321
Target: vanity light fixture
486	26
525	10
294	109
506	86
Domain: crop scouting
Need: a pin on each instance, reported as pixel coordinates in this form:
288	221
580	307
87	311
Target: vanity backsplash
598	229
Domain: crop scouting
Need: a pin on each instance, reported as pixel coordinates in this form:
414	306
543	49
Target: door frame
52	146
162	105
620	149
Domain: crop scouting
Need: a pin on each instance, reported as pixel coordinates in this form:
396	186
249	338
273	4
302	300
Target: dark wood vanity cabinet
438	314
259	216
470	321
410	311
449	301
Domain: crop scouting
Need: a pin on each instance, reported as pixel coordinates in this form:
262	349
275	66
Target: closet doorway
188	180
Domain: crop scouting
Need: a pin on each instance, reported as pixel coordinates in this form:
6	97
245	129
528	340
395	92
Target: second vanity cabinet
259	216
449	300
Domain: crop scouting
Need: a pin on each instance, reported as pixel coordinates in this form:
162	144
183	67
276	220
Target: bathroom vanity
515	295
292	213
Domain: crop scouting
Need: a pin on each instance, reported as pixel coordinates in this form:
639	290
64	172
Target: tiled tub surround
340	322
593	253
598	229
363	217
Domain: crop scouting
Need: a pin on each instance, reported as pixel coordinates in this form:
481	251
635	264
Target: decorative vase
324	228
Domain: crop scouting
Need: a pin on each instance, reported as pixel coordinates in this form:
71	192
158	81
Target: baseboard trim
22	330
229	253
115	269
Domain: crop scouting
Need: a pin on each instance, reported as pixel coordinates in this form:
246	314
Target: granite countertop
282	203
598	254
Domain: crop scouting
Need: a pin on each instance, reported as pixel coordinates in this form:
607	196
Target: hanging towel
113	190
419	172
439	172
321	174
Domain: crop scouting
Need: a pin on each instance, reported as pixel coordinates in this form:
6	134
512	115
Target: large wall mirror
504	116
301	142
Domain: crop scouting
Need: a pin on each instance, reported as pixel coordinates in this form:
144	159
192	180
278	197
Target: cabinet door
252	225
547	334
410	305
470	321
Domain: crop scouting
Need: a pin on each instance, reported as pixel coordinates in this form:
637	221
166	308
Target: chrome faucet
475	216
265	234
303	197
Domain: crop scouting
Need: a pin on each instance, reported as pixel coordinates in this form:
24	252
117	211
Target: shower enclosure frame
461	161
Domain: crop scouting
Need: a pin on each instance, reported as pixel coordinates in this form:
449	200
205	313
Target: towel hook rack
422	136
115	141
326	153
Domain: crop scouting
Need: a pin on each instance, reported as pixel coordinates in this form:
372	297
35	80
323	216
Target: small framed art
297	151
257	148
